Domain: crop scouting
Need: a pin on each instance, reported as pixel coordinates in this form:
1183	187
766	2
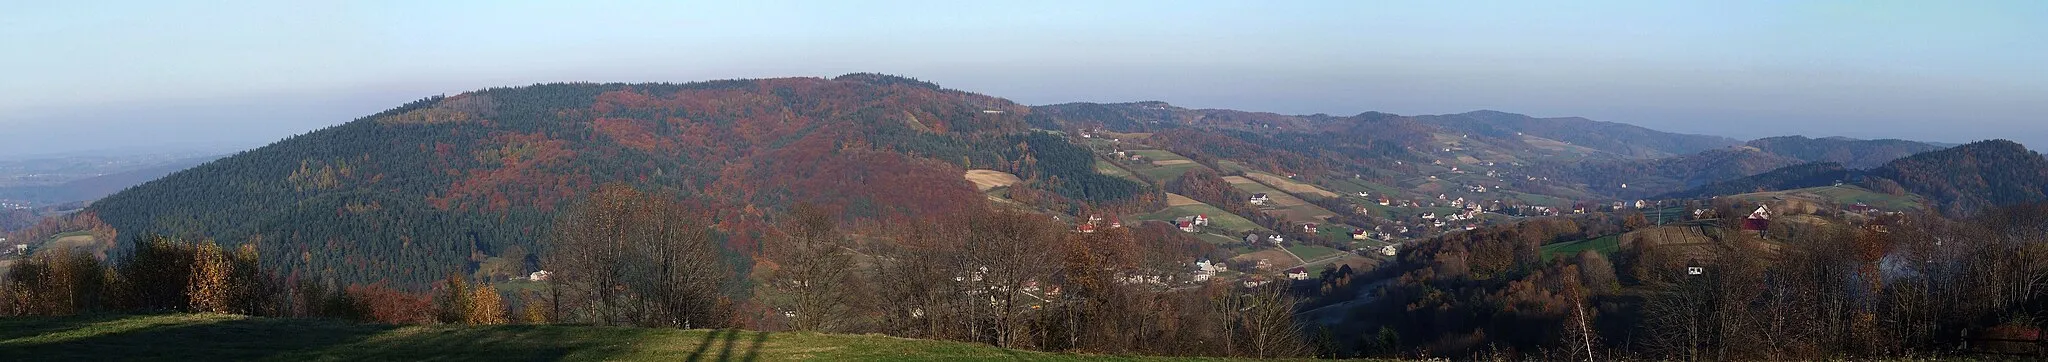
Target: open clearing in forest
1173	199
1165	166
989	179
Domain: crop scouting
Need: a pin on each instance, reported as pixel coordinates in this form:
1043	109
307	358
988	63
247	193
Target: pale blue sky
234	73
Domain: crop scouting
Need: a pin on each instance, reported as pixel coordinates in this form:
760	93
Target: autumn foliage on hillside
441	185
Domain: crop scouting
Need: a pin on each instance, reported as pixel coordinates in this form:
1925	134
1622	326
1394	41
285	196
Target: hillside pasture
77	241
1289	185
1111	169
1218	219
1351	186
1282	204
1172	167
1312	252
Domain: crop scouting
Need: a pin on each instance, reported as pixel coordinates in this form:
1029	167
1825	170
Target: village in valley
1322	226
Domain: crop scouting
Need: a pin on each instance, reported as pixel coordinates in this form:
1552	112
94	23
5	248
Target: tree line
631	257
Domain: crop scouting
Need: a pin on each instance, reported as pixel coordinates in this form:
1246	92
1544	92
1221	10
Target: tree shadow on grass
224	338
175	338
728	339
24	327
232	338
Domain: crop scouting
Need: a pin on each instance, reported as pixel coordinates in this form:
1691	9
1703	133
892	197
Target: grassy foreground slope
216	337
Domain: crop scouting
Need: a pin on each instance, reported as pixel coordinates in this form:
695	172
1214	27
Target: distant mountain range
93	188
1621	139
1849	152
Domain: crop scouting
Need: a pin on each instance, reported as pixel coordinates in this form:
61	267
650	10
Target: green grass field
1535	199
1850	194
1232	166
216	337
1218	239
1336	232
1218	218
1165	173
1312	252
1107	168
1158	155
1162	173
1605	245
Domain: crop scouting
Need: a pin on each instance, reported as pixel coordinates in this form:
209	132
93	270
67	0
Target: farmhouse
539	276
1298	273
1361	234
1758	220
1309	227
1259	199
1186	226
1390	249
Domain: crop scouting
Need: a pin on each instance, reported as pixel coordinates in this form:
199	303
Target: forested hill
1787	178
469	183
1973	177
1623	139
1851	153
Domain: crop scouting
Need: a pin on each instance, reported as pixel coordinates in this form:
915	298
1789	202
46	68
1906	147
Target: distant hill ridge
436	186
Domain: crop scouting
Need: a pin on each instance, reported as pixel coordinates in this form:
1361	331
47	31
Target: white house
1259	199
1276	239
1298	273
1201	220
539	276
1204	270
1390	249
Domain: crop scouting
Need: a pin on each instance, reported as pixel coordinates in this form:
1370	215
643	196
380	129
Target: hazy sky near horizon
140	74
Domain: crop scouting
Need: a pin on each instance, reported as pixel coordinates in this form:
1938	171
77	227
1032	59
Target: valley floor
215	337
